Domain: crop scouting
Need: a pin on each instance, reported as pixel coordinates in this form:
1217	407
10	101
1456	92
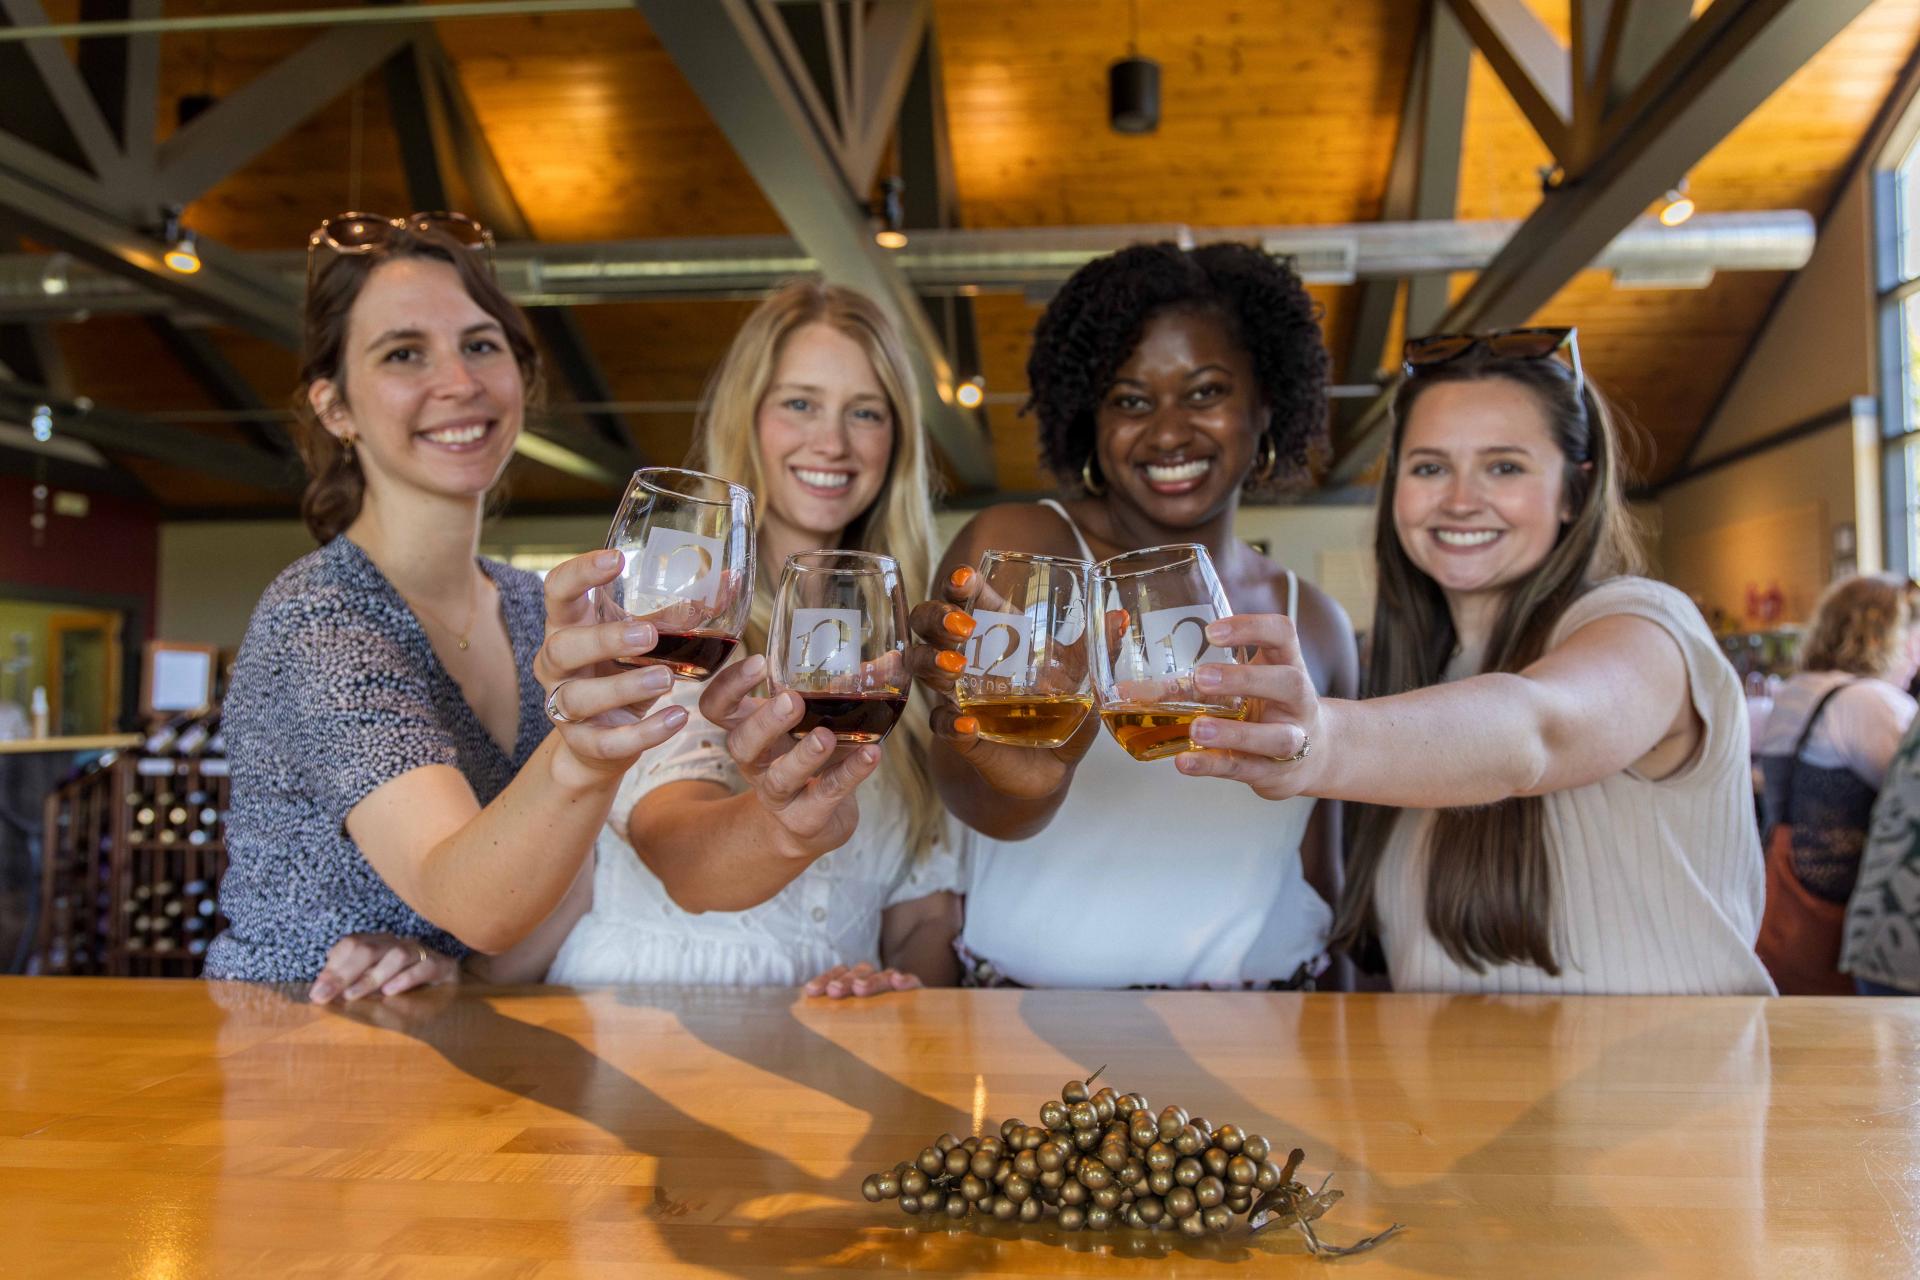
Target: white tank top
1146	877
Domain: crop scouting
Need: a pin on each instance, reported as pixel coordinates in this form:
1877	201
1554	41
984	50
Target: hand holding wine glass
807	785
948	636
838	641
597	697
1279	747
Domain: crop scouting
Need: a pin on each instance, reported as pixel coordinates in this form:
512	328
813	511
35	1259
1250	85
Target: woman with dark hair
1166	381
397	797
1554	751
1825	750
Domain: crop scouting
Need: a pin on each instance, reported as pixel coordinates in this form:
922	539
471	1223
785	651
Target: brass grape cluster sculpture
1103	1160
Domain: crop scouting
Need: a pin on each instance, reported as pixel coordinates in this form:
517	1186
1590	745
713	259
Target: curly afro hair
1093	324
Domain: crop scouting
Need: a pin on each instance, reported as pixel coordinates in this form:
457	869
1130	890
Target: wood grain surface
181	1129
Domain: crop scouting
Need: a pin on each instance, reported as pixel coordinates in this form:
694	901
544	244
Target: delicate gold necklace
473	615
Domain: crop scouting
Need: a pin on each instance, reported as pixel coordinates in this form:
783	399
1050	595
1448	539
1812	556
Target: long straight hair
1489	884
899	523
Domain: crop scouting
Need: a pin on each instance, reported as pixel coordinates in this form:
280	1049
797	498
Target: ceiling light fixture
43	423
972	393
183	250
890	212
1133	86
1677	206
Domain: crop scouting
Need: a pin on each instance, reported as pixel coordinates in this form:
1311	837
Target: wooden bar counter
177	1129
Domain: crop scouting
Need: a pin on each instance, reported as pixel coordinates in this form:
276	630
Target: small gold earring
1087	482
1266	460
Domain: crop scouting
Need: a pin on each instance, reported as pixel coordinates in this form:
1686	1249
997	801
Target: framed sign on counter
177	677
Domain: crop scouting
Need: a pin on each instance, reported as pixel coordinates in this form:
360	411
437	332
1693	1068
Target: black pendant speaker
1133	95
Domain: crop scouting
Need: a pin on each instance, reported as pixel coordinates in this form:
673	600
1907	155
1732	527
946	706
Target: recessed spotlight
972	393
1677	206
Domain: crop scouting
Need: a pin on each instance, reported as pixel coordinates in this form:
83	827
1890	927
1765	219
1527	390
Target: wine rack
135	848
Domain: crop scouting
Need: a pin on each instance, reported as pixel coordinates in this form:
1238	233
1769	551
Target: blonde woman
742	857
1824	753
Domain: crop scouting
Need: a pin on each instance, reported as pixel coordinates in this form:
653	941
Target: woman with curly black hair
1166	381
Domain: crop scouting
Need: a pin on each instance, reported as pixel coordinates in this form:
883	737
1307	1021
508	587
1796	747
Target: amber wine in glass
1154	607
1029	674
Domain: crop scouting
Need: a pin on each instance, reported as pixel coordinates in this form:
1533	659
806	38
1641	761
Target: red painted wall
112	550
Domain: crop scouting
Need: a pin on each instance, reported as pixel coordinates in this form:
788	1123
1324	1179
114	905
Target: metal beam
890	50
729	60
118	431
1638	34
1534	66
244	124
1705	86
1423	183
336	17
60	214
209	367
124	78
61	82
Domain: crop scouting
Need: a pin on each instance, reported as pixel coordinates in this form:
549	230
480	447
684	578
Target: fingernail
869	755
790	703
961	577
1207	677
967	725
607	559
655	678
321	993
816	746
675	717
950	662
1204	730
1219	632
958	624
639	635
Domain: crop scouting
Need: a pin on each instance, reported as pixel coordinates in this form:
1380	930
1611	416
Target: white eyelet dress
1146	877
828	915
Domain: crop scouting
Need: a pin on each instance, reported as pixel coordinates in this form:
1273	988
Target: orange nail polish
950	662
958	624
967	725
961	577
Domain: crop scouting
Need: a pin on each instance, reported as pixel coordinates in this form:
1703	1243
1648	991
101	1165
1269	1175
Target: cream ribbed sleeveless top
1657	886
1146	877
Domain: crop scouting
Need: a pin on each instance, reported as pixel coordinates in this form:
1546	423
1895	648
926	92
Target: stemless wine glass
686	545
839	640
1149	635
1029	675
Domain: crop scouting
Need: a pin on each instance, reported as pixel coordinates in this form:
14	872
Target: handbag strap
1800	745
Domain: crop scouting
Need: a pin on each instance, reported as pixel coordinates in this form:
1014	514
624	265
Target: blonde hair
726	442
1860	626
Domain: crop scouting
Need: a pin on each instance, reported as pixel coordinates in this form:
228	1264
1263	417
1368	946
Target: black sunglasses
1424	354
353	233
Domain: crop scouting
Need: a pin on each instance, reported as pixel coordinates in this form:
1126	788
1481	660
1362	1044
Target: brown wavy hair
1489	885
1860	626
335	486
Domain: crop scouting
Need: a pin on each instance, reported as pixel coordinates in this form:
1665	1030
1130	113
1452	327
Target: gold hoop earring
1087	482
1266	460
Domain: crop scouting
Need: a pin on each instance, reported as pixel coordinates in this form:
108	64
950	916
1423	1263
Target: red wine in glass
853	717
691	655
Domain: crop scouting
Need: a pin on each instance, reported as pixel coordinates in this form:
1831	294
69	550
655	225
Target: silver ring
1306	746
554	713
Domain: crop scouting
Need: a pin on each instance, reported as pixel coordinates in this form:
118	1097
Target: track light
183	250
43	423
972	393
1133	95
890	211
1677	206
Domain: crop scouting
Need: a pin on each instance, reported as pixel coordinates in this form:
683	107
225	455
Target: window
1897	207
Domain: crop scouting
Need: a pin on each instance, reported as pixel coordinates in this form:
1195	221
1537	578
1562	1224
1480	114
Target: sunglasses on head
353	233
1422	355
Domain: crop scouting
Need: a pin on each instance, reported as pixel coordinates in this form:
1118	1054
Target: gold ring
1306	746
421	947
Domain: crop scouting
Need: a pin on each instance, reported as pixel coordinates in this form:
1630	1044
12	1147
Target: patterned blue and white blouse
336	691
